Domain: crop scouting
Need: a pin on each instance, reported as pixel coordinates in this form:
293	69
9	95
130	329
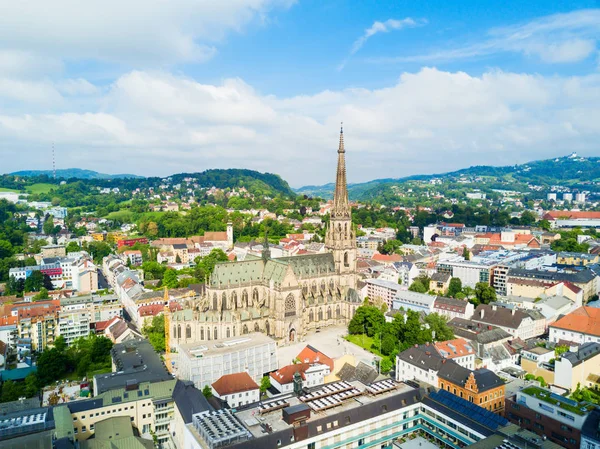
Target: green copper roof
63	422
259	272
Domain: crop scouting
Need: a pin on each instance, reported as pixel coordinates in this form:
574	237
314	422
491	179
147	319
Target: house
312	355
458	350
407	272
578	366
482	387
133	256
311	375
119	331
440	282
516	322
580	326
236	389
453	308
419	363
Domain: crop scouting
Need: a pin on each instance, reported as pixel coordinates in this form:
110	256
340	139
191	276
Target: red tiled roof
572	214
458	347
215	236
234	383
387	258
571	286
585	320
102	325
285	375
312	355
151	310
174	305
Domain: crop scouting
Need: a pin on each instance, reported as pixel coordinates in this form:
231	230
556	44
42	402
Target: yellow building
99	236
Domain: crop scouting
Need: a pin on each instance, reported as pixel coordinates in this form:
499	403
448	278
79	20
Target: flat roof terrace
325	401
224	346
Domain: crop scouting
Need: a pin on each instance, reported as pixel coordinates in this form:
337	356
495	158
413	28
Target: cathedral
282	297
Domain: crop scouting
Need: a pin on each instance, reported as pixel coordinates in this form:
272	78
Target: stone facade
282	297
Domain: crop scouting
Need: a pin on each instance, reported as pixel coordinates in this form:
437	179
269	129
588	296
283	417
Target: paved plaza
329	341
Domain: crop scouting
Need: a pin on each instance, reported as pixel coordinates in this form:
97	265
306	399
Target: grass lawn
122	215
40	187
91	374
364	341
3	189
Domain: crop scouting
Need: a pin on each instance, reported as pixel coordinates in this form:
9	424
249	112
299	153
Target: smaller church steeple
341	207
266	252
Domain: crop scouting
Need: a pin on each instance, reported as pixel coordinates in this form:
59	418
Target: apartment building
549	415
382	290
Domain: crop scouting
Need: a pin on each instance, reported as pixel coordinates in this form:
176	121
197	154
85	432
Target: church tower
341	238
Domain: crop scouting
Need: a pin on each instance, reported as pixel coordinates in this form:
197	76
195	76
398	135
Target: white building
516	322
580	326
453	308
203	363
419	302
236	389
311	375
382	290
73	325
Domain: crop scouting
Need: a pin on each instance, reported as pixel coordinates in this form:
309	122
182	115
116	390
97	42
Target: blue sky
155	88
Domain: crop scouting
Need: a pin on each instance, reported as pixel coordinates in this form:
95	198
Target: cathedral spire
266	252
341	208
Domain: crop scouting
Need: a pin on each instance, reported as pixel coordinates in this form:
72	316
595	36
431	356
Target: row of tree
407	329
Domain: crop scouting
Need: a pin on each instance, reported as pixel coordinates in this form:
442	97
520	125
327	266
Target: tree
98	251
388	344
417	286
12	391
153	270
386	365
60	343
6	249
207	392
438	325
454	287
206	265
528	218
36	281
177	259
155	332
367	319
170	279
48	227
544	224
72	247
43	294
265	384
466	254
485	293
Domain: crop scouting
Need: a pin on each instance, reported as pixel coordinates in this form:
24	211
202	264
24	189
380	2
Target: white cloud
381	27
428	121
558	38
128	32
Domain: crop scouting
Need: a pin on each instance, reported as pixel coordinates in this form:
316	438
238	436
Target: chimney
416	346
482	313
427	353
490	328
573	348
494	308
512	312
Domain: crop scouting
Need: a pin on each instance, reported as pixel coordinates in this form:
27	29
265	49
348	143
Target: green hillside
575	172
70	173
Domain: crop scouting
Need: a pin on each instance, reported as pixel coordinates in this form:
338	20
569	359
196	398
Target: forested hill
570	171
70	173
258	184
255	182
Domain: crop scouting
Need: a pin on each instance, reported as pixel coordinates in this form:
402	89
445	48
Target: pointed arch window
244	298
245	329
337	312
188	331
215	334
228	333
179	331
320	314
311	316
328	313
256	328
346	262
201	333
224	301
215	302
